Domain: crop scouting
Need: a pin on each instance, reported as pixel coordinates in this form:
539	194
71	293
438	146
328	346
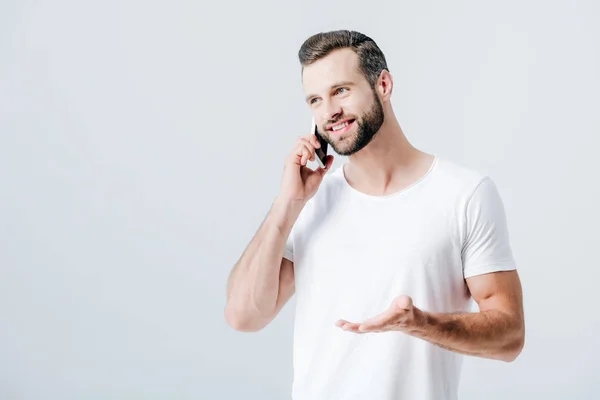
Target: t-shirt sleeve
486	246
289	248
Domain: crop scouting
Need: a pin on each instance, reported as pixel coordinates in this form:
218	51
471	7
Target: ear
384	85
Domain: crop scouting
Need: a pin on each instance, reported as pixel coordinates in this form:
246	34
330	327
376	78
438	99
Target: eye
340	90
312	101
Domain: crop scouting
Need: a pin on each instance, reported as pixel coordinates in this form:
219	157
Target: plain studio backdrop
142	144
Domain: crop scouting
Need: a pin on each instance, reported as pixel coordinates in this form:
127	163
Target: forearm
490	334
253	285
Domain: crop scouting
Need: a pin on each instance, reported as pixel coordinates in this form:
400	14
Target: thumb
328	163
403	302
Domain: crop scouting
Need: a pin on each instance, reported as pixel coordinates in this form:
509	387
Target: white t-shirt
354	253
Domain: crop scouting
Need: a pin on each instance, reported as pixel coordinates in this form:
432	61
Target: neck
388	163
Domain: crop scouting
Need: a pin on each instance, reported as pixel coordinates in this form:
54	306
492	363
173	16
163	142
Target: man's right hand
300	183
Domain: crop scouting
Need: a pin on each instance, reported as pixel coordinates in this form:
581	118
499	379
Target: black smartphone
321	152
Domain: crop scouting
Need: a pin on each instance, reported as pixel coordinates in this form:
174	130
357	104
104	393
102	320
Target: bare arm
262	281
497	331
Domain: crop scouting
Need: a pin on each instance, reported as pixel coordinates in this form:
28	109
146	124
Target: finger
351	327
347	326
305	156
302	152
298	146
309	151
307	141
315	141
378	322
312	139
298	152
343	323
296	155
309	144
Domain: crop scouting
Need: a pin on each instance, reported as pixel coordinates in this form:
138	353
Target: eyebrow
334	86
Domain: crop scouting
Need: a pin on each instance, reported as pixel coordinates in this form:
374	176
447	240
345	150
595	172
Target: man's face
344	105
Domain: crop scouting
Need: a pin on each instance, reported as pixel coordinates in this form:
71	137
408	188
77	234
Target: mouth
341	127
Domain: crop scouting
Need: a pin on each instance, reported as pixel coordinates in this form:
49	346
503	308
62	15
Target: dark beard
367	129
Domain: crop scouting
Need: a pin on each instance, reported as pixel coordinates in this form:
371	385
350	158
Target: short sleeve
289	247
486	246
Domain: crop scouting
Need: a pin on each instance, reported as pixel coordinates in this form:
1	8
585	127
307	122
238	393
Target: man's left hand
402	315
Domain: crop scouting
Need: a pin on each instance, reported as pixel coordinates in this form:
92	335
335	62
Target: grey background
142	143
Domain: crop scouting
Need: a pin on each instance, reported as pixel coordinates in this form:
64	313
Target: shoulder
469	192
459	179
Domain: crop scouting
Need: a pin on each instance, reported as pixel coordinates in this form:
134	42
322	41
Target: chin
345	150
343	145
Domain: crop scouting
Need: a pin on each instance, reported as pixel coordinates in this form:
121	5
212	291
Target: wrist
285	212
288	205
420	321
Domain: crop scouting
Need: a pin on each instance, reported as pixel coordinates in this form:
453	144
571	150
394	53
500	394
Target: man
384	254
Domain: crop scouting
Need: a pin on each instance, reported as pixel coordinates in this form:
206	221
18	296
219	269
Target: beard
370	124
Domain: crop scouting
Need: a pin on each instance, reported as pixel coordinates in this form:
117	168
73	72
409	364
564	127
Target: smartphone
321	152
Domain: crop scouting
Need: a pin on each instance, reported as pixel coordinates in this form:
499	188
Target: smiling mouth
341	127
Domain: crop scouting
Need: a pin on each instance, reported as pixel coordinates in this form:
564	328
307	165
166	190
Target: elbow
509	357
241	321
514	349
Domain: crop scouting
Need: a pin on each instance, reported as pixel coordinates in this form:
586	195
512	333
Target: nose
331	111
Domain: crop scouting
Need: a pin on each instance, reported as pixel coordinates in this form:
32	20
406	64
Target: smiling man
385	254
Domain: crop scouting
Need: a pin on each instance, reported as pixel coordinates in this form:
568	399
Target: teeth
340	126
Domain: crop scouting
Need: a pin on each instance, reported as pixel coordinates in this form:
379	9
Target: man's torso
353	254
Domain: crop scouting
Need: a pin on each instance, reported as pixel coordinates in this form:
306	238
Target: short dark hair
371	58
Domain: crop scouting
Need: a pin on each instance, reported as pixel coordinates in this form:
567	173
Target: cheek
357	107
